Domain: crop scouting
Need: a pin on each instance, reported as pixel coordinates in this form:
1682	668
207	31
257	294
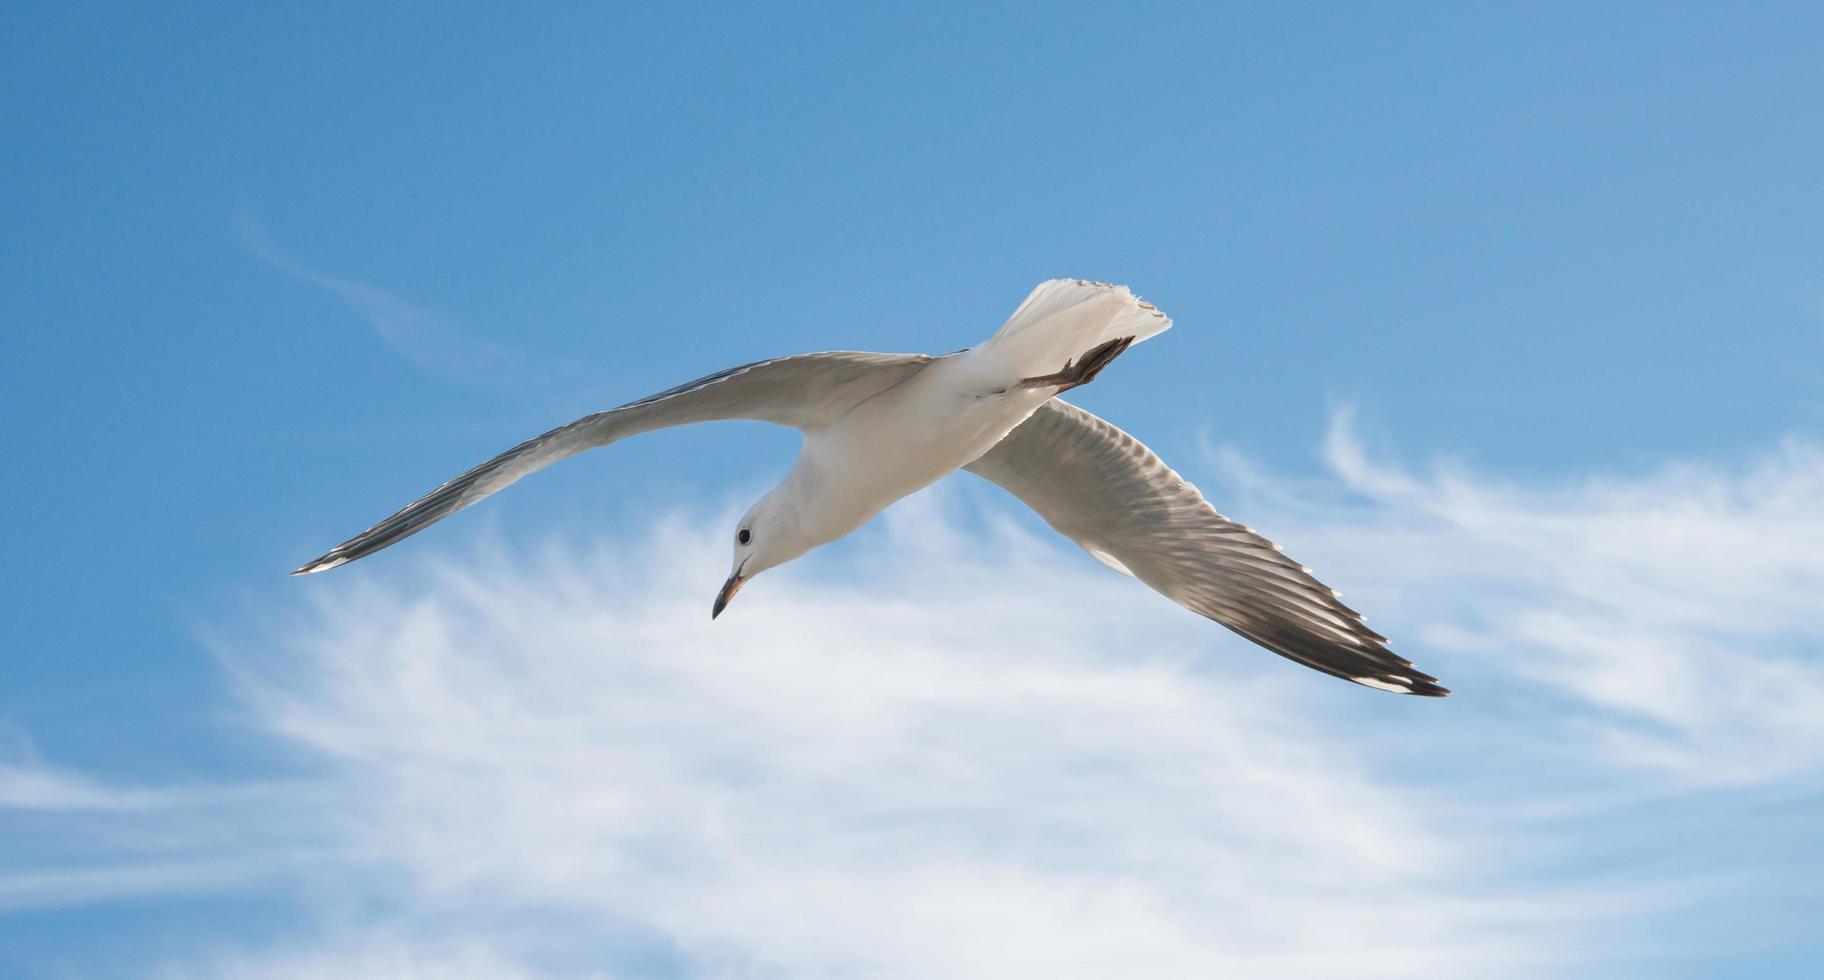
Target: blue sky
1508	320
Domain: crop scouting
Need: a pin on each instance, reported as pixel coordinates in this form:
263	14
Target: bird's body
880	426
938	421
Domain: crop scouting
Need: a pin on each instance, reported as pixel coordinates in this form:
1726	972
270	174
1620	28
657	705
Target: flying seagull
880	426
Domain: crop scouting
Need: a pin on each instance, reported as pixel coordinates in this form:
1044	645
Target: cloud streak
425	339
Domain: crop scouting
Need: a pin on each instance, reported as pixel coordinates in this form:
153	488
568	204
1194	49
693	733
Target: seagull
880	426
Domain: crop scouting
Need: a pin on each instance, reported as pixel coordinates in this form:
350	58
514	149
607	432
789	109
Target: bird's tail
1064	318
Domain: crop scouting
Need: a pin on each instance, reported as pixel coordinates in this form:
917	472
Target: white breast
909	437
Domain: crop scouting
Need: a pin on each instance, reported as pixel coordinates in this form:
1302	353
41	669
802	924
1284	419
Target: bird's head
768	535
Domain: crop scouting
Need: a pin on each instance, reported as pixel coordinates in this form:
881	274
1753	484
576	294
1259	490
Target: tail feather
1064	318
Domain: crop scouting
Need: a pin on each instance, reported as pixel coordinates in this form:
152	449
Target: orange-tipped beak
729	588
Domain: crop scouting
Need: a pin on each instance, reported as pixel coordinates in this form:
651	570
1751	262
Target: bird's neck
820	500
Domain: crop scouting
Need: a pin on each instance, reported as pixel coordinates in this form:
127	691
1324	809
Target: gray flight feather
803	392
1106	491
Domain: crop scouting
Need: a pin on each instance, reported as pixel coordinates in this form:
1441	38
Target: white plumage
1071	316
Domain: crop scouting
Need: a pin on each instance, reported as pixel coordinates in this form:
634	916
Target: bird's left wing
805	391
1113	496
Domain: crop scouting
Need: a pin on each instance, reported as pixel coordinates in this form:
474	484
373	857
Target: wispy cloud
37	787
954	753
376	955
431	342
69	838
966	765
1680	606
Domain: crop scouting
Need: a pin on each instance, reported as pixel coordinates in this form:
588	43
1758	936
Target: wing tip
1418	685
323	564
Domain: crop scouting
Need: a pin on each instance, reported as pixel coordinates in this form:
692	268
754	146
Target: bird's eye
743	536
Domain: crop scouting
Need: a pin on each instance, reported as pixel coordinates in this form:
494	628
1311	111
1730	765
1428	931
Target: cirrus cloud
962	749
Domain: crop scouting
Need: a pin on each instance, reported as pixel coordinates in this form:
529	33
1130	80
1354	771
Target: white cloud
961	753
970	758
1680	606
839	777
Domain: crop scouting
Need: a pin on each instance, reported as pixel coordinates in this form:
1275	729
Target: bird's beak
729	588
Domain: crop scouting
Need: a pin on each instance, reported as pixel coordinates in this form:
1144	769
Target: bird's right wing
805	391
1106	491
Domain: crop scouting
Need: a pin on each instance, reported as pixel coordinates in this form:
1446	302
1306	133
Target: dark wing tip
1358	660
322	564
1415	683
